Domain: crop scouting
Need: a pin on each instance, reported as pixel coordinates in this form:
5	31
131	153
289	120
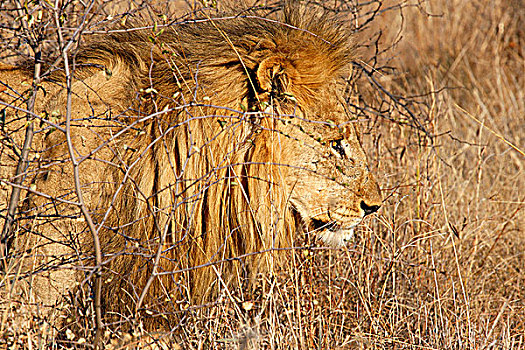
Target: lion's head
202	144
328	180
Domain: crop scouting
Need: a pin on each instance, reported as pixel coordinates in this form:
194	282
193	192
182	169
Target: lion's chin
337	238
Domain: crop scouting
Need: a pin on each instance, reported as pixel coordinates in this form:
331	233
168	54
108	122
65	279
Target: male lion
197	146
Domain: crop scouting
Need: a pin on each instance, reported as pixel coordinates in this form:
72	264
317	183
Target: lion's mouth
320	225
332	233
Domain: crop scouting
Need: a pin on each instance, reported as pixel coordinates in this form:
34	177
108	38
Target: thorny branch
35	45
97	285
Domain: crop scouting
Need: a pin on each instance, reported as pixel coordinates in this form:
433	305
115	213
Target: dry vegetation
442	265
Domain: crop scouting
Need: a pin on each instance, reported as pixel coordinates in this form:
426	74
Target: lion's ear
275	75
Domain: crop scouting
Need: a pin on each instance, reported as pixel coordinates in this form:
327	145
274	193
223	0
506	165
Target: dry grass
442	265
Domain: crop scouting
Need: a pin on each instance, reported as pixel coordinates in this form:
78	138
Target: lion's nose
369	209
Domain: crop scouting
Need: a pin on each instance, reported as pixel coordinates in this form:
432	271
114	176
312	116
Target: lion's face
328	179
330	185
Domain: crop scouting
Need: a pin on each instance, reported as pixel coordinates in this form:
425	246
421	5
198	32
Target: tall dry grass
451	236
442	265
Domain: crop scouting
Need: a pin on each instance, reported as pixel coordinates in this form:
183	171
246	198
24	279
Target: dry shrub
442	265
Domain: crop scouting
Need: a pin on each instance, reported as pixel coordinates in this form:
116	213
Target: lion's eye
337	146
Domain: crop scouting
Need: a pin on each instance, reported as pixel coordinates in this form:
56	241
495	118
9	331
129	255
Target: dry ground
442	266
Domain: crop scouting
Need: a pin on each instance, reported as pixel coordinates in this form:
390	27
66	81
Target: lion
202	149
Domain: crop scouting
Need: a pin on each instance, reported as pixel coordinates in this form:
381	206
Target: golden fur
200	145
